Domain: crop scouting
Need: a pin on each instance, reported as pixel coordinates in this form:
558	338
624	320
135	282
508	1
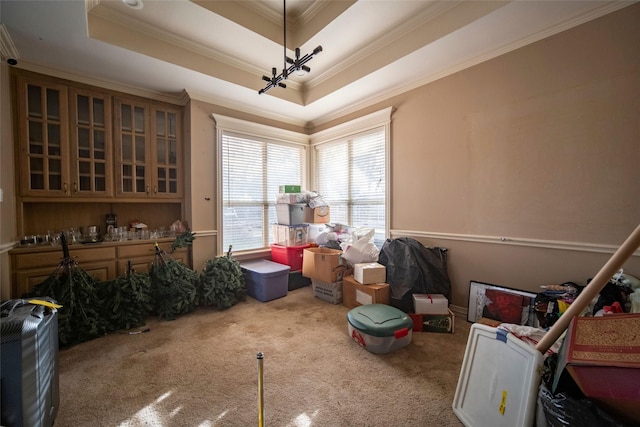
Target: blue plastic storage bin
265	280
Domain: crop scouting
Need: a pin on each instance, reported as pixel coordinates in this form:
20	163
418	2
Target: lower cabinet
142	256
104	261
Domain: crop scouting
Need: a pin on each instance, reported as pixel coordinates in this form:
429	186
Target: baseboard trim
459	312
514	241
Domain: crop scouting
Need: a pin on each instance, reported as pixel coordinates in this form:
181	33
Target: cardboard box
289	188
355	294
329	292
602	355
443	323
430	304
370	272
322	264
318	215
290	214
290	235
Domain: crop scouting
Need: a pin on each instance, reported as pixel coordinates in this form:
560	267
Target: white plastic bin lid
499	380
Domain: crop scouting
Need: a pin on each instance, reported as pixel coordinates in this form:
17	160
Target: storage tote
290	214
266	280
379	328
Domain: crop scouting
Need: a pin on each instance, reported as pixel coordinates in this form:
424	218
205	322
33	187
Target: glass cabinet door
43	129
166	148
132	149
91	162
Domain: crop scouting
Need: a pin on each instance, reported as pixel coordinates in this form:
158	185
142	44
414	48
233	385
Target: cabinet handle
65	187
147	189
155	189
75	187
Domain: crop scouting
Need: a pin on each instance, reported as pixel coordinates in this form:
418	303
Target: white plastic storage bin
290	235
265	280
290	214
499	380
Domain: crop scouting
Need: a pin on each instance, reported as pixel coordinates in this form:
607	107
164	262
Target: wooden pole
591	290
260	358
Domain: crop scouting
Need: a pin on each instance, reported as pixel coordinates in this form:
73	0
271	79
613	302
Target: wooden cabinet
91	144
104	261
148	150
79	141
142	256
43	133
84	152
32	266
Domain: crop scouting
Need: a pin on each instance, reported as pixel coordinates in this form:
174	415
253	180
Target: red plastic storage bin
288	255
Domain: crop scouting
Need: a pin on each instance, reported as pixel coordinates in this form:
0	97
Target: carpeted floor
201	370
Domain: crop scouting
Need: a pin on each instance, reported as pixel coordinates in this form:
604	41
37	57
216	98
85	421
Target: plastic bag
562	409
359	247
413	268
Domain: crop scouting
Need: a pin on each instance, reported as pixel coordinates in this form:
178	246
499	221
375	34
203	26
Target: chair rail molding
514	241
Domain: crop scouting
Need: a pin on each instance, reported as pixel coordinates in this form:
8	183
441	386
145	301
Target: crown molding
238	106
178	98
145	29
429	14
494	53
7	48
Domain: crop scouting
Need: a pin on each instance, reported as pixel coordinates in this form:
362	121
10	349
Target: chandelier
290	66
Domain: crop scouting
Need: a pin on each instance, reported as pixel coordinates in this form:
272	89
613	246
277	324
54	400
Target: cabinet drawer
147	249
49	258
143	264
27	279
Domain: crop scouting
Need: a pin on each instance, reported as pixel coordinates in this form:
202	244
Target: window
350	172
254	160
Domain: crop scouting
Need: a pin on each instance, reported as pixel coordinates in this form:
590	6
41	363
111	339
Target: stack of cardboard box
367	285
432	313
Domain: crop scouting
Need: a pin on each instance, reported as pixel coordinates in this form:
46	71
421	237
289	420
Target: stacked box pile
324	267
432	314
290	233
367	285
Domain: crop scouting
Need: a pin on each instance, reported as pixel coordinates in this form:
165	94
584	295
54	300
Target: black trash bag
563	409
413	268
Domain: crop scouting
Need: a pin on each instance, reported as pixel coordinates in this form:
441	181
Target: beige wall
542	143
525	167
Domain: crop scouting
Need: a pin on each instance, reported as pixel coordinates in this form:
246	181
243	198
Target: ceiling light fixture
296	65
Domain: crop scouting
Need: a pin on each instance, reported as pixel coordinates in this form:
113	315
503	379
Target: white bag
359	247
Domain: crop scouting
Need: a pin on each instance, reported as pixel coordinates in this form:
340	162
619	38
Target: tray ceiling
217	51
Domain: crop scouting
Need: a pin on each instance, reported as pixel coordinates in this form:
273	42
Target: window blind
252	170
350	174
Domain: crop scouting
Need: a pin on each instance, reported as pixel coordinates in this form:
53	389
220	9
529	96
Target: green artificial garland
127	300
222	282
183	240
175	286
79	319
